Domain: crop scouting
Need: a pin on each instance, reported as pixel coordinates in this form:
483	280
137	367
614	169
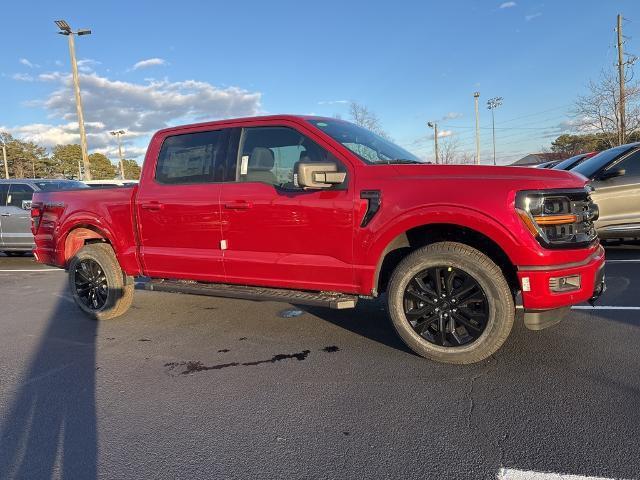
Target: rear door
15	217
4	189
618	198
178	206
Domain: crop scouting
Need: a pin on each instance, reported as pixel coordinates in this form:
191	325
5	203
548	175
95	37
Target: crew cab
312	210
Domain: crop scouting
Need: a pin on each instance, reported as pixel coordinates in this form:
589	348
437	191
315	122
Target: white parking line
513	474
34	270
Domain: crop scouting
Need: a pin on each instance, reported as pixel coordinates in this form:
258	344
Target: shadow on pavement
369	320
50	428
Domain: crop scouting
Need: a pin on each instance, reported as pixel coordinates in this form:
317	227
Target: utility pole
65	29
4	157
476	95
621	132
117	134
79	171
492	104
434	125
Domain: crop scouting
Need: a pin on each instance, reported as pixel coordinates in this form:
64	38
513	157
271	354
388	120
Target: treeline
28	159
591	142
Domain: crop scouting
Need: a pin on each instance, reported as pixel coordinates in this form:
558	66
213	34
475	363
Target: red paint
308	239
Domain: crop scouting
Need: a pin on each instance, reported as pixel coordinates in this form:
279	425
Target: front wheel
98	285
451	303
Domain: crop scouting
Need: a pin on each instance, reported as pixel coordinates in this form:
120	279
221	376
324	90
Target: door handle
238	205
5	214
153	206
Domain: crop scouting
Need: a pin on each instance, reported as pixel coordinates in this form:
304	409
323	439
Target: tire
100	263
460	266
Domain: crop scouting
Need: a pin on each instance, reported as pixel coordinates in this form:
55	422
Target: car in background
110	183
574	161
550	164
615	177
15	210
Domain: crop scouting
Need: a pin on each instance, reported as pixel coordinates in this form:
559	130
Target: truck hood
520	177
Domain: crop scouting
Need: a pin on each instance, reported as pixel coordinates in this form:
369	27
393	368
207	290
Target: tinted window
570	162
4	188
61	185
270	154
367	145
192	158
18	193
630	165
590	167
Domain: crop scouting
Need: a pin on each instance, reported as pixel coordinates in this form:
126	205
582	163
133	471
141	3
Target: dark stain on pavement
331	349
242	338
224	350
144	340
196	366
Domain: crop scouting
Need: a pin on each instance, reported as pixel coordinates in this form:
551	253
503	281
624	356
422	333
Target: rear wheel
98	285
451	303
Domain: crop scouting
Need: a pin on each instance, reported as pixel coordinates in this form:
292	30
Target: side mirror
319	175
26	204
612	174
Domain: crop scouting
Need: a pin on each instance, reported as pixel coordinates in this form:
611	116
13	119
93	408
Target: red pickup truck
319	211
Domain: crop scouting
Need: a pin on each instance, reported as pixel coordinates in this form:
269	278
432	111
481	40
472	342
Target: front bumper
544	307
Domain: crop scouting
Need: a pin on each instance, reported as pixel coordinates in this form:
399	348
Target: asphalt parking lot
197	387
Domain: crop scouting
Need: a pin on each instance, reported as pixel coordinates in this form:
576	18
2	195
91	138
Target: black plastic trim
374	201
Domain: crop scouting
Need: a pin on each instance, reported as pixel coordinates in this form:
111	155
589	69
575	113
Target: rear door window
19	195
197	157
4	189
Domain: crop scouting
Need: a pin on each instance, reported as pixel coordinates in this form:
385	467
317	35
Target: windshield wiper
405	160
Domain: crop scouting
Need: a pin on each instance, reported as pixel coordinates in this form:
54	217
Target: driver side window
270	155
631	165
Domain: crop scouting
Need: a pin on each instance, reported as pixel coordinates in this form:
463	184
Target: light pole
65	29
476	95
117	134
4	157
434	125
492	104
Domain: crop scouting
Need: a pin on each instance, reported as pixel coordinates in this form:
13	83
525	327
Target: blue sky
408	61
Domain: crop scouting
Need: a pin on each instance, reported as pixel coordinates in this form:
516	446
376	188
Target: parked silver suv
15	210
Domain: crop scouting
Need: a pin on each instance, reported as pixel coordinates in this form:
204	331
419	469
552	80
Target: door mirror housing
26	204
319	175
612	174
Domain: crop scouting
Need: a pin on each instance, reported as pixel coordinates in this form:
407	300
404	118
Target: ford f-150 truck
319	211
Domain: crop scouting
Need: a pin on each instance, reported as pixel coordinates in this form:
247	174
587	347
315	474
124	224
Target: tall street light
117	134
476	95
434	125
4	157
65	29
492	104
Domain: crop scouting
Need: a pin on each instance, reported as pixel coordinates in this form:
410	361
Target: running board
321	299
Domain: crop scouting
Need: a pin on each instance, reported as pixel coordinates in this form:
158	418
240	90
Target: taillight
36	215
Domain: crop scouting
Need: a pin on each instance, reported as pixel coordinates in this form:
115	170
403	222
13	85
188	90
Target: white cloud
138	108
27	63
22	77
452	116
149	62
508	4
332	102
444	133
528	18
86	65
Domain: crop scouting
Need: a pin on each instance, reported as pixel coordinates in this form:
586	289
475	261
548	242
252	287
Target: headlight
558	218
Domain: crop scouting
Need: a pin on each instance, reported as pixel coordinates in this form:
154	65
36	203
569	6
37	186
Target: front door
178	208
276	233
15	217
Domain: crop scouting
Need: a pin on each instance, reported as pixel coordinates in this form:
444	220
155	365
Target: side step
321	299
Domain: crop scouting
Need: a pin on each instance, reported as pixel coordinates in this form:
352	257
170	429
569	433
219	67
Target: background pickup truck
319	211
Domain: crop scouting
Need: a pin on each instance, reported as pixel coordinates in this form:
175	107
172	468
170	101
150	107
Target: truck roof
290	117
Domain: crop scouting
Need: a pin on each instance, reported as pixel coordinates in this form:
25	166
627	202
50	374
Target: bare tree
448	151
361	115
599	109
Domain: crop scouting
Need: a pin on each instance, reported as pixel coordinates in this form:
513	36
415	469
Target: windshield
589	167
61	185
367	145
571	162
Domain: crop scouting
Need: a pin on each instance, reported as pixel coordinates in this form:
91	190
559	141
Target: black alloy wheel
91	284
446	306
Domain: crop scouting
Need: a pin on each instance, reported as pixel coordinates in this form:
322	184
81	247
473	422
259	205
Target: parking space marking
513	474
33	270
